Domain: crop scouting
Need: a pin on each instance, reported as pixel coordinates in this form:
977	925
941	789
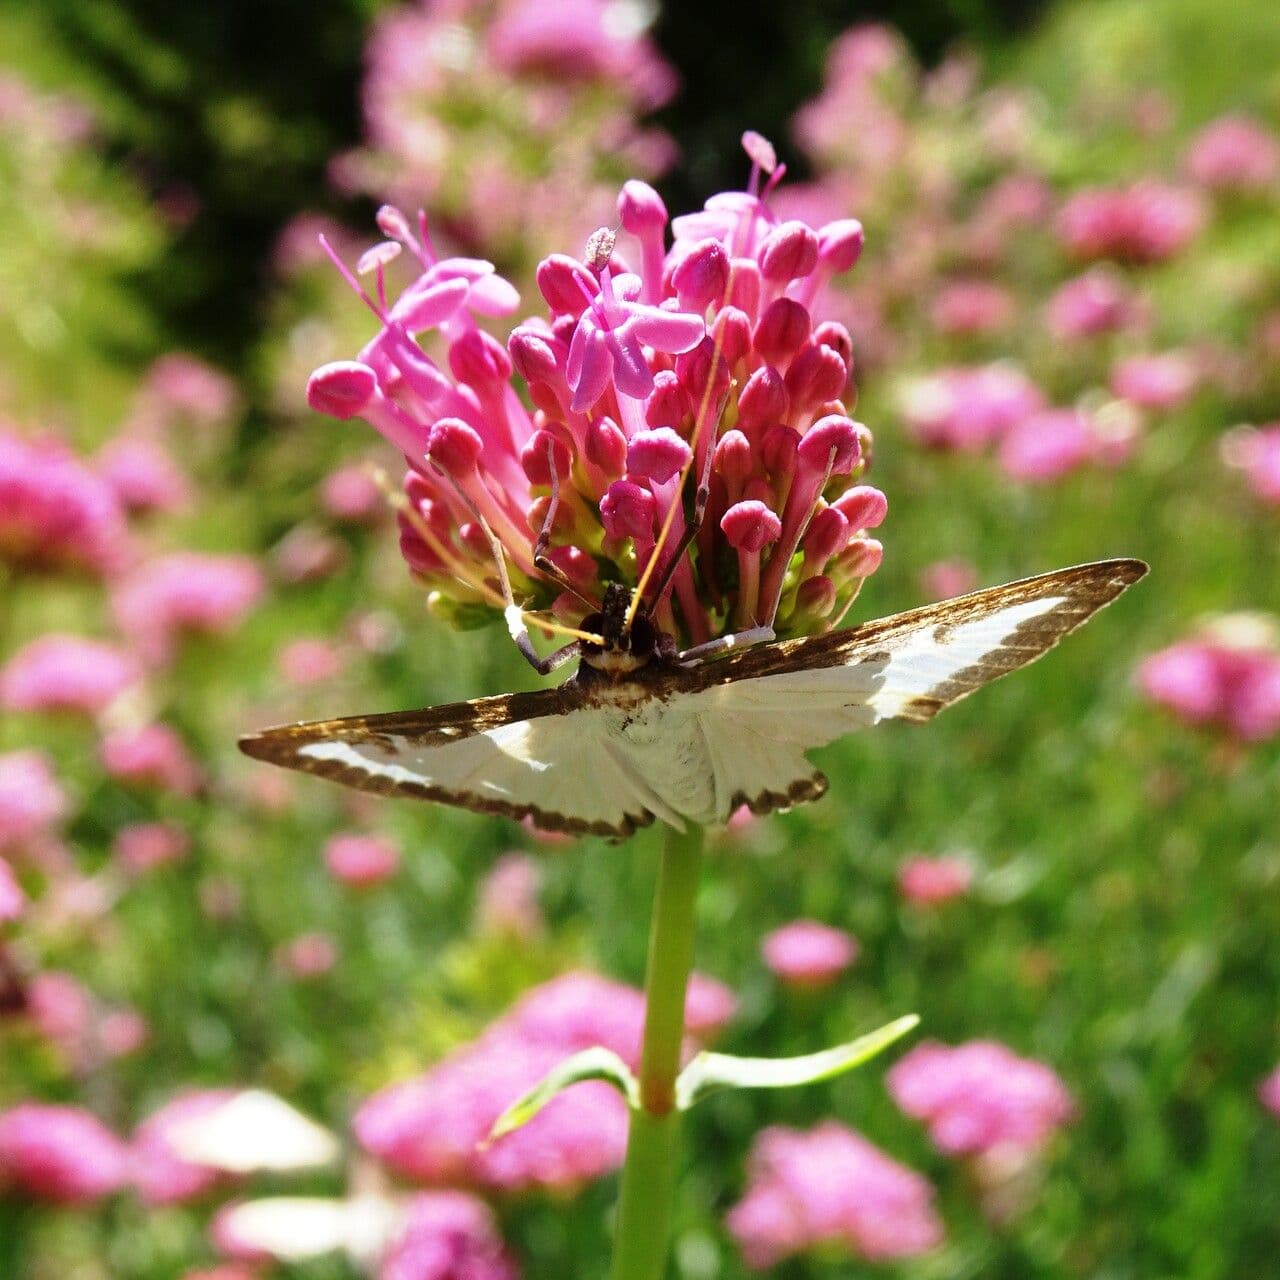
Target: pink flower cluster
701	370
160	1173
1226	677
1256	453
433	1128
60	1153
1269	1092
830	1186
65	673
980	1097
1233	153
490	111
361	861
447	1235
930	881
809	955
32	804
55	513
1146	222
507	903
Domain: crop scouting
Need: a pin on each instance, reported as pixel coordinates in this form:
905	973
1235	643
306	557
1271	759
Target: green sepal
591	1064
711	1071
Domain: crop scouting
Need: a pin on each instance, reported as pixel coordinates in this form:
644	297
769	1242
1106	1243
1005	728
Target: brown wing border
1086	588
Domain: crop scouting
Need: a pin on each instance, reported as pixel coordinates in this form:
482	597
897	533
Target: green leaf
711	1071
591	1064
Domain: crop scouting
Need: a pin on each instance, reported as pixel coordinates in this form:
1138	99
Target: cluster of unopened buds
677	423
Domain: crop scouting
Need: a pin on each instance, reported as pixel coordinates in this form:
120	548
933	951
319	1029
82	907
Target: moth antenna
541	561
677	500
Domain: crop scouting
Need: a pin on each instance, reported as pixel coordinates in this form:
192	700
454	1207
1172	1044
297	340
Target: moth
643	732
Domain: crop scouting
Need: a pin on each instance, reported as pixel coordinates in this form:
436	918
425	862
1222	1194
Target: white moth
642	732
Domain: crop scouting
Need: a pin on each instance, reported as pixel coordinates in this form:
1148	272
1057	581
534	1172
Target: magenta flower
60	1153
709	1007
967	307
185	593
1055	442
1144	223
1269	1092
64	673
152	755
1233	153
447	1235
830	1186
55	513
968	409
12	900
1096	302
705	372
980	1097
1256	453
1226	677
142	475
310	660
1158	382
360	861
32	804
141	847
160	1173
63	1012
184	389
309	955
930	881
507	903
808	955
349	495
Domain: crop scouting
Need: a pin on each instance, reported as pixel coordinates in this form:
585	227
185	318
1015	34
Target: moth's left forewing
763	708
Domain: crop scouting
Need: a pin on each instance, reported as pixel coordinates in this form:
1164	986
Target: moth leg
722	644
542	562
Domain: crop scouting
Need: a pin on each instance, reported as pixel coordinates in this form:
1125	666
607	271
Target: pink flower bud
360	861
733	330
816	374
778	450
827	536
561	280
628	511
668	403
733	460
864	506
534	354
479	359
781	331
533	457
454	447
832	439
640	209
840	244
749	526
693	368
341	389
790	251
657	455
830	333
744	285
763	401
862	557
816	597
760	150
701	278
808	955
575	563
606	446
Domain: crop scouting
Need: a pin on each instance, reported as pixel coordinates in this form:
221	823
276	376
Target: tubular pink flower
863	506
657	455
643	215
749	527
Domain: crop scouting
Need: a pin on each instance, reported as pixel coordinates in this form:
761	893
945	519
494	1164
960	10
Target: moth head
626	647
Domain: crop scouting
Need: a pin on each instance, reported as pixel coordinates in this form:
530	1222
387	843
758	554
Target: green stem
643	1238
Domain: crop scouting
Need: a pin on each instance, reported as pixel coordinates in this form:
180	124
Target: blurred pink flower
971	307
309	955
55	513
928	881
1256	452
709	1007
1225	676
12	900
946	578
980	1096
969	408
151	755
63	1012
447	1235
1160	382
361	861
60	1153
830	1186
160	1174
142	475
1143	223
1048	445
351	496
1269	1092
508	898
308	554
31	801
143	846
122	1032
808	955
66	673
185	592
1233	153
1096	302
183	388
310	661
